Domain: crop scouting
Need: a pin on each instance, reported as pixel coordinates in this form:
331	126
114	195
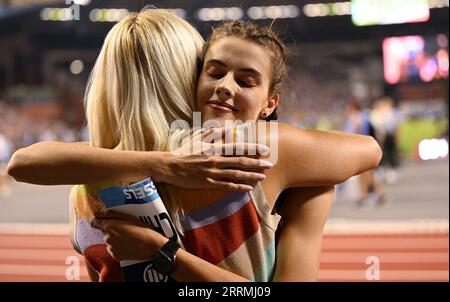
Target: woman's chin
220	117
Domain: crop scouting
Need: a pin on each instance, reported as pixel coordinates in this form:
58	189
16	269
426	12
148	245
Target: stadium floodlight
255	13
341	8
56	14
317	10
368	12
273	12
76	66
219	13
108	14
82	2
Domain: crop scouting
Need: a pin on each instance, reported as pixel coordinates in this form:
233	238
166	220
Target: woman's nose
223	92
224	89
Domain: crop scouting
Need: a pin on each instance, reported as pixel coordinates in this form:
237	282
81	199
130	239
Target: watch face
165	260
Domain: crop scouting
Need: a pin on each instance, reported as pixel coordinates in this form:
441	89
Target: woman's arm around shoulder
54	163
57	163
321	158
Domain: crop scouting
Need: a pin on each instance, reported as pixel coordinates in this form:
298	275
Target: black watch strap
164	261
170	248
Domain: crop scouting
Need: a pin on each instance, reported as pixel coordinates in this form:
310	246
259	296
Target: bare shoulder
270	133
283	140
286	135
294	155
286	142
289	132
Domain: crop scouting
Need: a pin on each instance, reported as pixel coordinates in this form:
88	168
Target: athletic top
236	232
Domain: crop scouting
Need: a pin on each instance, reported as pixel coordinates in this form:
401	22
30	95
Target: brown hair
260	35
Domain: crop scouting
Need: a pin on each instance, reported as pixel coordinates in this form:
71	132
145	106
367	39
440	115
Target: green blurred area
412	131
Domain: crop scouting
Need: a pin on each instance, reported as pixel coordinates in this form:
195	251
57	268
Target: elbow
365	158
376	154
372	154
16	167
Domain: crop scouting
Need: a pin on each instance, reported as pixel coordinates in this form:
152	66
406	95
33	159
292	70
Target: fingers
237	176
201	140
105	220
250	149
110	247
236	173
211	135
111	252
100	224
216	134
200	135
109	214
243	163
214	142
229	186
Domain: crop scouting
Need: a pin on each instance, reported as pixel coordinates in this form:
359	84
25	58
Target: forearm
302	261
54	163
127	238
305	212
318	158
191	268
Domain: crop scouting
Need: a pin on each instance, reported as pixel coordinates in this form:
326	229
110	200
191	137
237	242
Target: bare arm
317	158
306	158
54	163
191	268
304	213
129	239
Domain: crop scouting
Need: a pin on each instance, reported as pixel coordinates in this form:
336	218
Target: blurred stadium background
389	56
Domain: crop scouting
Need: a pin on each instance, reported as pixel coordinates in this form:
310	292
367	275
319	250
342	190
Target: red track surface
402	257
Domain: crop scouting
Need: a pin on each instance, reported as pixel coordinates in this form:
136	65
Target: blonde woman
119	117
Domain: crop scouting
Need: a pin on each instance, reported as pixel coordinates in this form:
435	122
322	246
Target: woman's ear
272	104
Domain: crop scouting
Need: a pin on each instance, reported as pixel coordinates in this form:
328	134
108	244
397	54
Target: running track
402	257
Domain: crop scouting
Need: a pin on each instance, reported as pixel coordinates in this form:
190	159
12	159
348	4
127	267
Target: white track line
35	228
346	226
37	270
355	257
343	275
333	226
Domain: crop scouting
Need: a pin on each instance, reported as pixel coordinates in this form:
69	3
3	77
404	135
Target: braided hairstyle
263	36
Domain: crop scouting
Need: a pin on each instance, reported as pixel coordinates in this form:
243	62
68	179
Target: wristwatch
164	261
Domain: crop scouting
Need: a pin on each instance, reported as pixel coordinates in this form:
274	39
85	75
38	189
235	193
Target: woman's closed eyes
243	81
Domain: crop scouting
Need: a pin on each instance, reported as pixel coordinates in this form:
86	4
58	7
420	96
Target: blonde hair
144	78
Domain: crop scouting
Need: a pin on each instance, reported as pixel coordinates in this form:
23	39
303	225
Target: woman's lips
220	106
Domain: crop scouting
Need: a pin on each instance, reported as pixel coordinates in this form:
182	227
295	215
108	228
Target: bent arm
191	268
304	212
57	163
318	158
127	238
54	163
